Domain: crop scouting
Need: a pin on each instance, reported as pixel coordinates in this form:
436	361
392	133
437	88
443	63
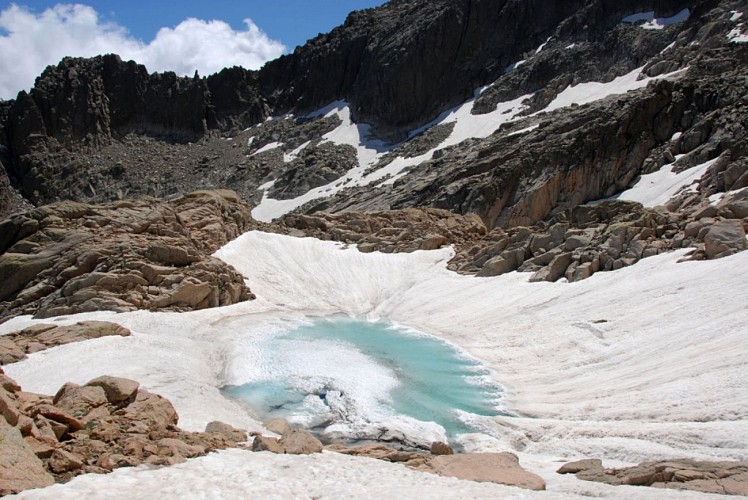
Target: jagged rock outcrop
82	104
315	166
6	195
108	423
726	478
141	254
390	64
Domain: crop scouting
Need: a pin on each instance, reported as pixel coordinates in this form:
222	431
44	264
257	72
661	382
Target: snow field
643	363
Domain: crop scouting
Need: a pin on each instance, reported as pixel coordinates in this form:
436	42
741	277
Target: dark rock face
316	166
591	153
401	64
87	103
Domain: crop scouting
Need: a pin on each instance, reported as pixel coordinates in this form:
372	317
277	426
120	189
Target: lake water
368	380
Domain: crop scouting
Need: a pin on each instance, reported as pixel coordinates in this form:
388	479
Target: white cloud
30	41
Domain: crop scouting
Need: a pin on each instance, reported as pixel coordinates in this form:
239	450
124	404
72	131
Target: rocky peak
401	64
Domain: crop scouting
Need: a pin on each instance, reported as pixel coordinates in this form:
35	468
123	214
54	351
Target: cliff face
101	129
402	64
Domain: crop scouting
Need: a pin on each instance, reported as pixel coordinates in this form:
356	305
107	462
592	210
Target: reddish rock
502	468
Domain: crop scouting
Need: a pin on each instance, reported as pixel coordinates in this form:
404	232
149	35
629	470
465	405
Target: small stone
277	425
117	389
300	442
63	461
580	465
440	448
264	443
232	433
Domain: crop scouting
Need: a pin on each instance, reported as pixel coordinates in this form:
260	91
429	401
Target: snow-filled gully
642	363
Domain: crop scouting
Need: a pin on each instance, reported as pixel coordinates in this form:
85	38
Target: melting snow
630	365
653	23
658	187
737	35
267	147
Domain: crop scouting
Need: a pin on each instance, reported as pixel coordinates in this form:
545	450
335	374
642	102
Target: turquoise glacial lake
357	377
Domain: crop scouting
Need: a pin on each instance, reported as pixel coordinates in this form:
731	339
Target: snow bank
637	364
658	187
267	147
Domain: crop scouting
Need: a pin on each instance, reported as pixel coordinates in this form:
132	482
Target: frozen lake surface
351	379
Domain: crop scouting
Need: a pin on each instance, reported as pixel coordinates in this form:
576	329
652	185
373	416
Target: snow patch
735	15
514	66
656	23
736	35
716	198
523	131
542	46
585	93
267	147
658	187
289	157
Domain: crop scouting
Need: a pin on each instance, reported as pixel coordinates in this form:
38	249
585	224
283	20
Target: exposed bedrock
107	423
141	254
726	478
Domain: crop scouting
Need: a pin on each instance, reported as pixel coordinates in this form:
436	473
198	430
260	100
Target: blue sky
184	36
292	22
